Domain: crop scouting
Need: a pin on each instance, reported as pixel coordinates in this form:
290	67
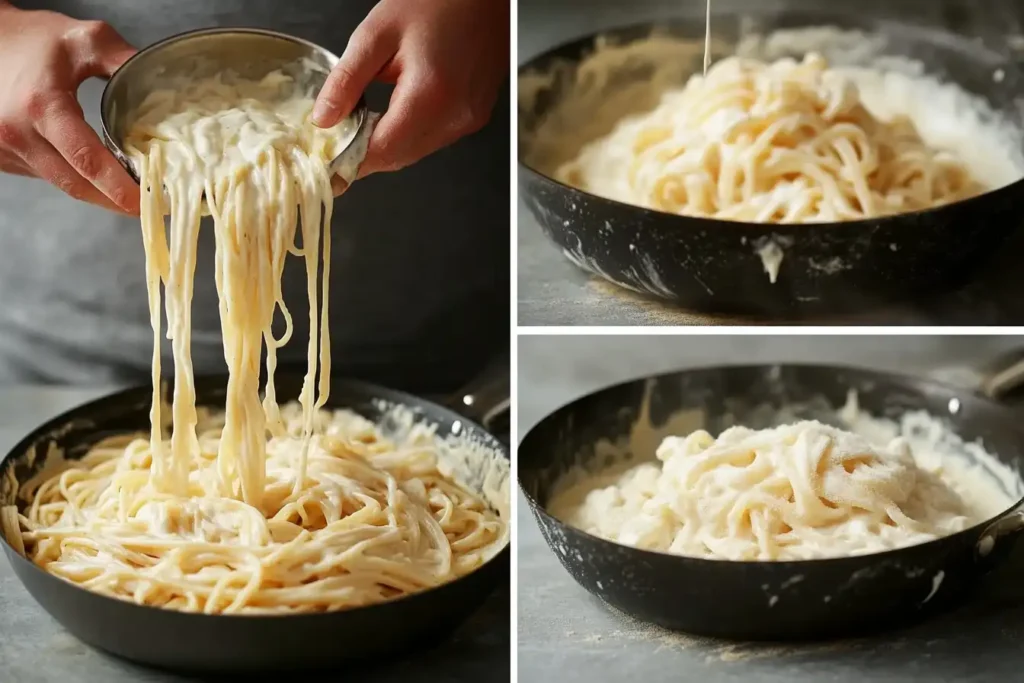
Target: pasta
707	39
781	142
375	519
261	508
800	491
260	170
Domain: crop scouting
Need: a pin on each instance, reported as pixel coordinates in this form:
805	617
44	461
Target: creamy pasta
800	491
260	508
780	142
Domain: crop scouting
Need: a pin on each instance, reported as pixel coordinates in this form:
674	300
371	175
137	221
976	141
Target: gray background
552	291
566	635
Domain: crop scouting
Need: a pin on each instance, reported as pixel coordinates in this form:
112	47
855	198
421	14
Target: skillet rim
830	18
905	379
373	391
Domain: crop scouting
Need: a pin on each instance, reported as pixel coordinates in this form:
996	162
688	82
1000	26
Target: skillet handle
487	399
1001	381
1004	377
999	538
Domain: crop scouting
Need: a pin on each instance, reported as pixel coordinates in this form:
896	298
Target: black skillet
197	642
713	266
770	600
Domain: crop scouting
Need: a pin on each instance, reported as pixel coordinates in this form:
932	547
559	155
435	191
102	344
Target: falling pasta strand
327	513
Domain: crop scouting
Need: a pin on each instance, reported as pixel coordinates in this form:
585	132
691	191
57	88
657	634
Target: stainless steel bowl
249	52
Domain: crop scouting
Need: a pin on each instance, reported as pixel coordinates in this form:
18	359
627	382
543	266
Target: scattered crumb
1013	634
652	311
64	643
720	650
658	312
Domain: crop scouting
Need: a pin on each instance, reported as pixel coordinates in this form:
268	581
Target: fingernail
324	114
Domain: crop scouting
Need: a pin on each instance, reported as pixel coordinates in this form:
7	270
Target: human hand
43	132
448	59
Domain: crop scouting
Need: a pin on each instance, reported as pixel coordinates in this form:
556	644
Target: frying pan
788	600
714	266
198	642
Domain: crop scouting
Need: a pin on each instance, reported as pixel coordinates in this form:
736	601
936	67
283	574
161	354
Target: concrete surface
36	649
552	291
566	635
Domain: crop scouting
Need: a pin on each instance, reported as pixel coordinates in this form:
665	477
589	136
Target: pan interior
474	459
622	426
579	92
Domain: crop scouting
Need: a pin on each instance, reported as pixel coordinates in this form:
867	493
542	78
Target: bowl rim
360	111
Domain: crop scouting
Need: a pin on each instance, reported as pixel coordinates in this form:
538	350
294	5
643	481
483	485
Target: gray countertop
36	649
552	291
567	635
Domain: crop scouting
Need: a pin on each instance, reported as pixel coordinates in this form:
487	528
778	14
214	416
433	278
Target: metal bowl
249	52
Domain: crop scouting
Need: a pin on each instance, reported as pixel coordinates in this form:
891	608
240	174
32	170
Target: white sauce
801	491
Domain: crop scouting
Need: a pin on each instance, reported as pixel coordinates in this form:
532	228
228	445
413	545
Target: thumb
364	57
100	50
